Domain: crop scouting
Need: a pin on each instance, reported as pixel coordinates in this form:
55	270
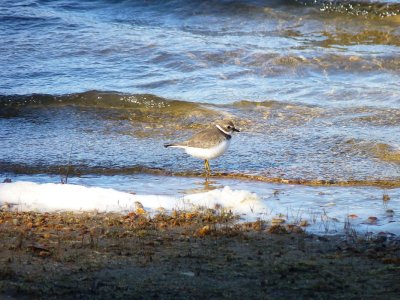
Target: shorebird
209	143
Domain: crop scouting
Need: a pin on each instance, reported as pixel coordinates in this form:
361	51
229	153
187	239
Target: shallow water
95	89
108	133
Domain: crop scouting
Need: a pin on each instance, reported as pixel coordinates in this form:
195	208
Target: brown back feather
205	139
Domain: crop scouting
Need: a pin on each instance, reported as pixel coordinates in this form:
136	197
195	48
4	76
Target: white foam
50	197
239	201
292	203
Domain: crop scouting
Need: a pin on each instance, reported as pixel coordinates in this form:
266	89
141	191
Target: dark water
102	85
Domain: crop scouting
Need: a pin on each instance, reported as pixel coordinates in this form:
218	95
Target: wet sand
197	255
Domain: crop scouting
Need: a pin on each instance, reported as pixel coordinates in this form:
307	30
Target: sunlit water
95	88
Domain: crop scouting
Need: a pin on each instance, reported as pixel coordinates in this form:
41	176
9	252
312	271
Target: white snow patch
51	197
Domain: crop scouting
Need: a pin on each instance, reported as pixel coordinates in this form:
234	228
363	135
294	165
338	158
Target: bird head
227	126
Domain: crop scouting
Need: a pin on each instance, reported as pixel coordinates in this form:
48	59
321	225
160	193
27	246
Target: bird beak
235	129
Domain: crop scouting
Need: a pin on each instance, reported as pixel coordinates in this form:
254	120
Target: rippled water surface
97	87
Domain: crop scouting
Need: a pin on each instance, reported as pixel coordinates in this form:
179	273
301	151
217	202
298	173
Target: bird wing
204	139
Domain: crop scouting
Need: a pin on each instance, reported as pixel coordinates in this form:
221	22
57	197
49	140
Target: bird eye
229	127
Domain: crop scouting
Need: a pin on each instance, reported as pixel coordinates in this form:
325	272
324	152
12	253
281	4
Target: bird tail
173	146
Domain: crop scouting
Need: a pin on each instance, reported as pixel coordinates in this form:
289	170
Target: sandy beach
187	256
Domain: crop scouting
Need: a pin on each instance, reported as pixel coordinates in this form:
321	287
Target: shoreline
187	255
73	171
323	211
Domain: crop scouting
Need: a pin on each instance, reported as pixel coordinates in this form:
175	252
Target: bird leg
207	167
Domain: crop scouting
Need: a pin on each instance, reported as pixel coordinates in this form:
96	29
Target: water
95	88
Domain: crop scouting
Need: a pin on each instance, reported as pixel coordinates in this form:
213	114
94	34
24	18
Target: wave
146	108
385	8
387	153
382	151
94	99
147	104
185	115
277	64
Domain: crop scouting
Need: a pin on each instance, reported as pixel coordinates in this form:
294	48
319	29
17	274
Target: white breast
208	153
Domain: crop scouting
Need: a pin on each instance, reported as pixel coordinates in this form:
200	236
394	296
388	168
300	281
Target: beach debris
277	229
293	228
139	209
371	220
205	230
138	205
258	225
304	223
353	216
277	221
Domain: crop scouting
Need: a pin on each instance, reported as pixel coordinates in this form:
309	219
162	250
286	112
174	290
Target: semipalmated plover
208	144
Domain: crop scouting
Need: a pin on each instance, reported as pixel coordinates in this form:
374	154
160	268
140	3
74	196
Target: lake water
95	88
